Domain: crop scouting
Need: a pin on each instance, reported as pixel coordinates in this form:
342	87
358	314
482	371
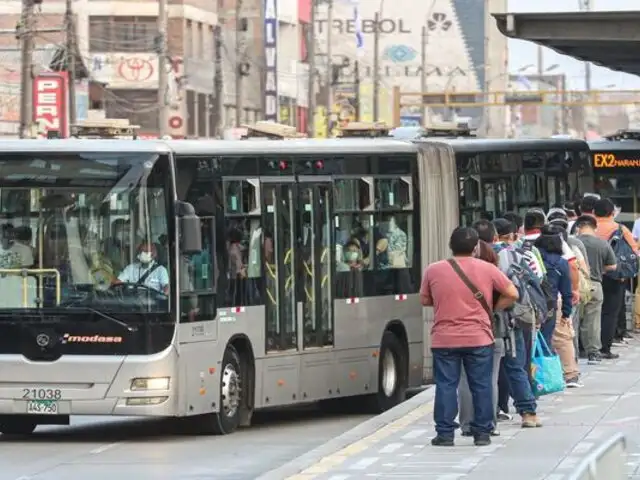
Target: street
105	448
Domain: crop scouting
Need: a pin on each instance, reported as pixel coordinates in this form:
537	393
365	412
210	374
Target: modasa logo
68	338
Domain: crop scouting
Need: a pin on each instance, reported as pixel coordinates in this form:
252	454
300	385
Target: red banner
50	104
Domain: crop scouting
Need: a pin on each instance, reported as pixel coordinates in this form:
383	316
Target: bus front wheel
227	419
17	425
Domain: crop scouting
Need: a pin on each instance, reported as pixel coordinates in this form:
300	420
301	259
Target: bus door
281	221
315	287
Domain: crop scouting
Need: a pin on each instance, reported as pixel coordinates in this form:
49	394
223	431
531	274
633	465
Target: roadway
104	448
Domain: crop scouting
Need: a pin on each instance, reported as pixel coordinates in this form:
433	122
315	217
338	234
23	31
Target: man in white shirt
146	270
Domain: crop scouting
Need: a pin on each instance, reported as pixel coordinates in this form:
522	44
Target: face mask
145	257
351	256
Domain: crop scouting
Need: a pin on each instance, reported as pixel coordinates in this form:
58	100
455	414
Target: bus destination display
616	160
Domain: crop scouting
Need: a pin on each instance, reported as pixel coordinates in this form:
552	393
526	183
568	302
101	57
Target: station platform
396	444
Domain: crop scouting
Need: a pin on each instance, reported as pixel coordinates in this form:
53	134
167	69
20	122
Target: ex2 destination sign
616	160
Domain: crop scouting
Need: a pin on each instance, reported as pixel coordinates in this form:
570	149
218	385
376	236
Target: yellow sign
610	160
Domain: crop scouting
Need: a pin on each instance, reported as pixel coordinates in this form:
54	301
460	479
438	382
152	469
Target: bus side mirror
190	229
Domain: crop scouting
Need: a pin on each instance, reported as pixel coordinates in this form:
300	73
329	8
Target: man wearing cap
146	270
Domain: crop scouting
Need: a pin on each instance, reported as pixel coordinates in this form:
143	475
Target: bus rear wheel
227	419
392	375
17	425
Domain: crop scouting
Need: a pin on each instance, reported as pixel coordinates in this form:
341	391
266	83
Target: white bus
292	269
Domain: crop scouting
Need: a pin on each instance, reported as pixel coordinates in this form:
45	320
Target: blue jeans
447	365
547	329
518	376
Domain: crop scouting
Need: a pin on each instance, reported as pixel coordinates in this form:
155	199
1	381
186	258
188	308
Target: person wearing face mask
146	270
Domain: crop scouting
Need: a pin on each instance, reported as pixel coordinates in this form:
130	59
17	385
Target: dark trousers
478	365
621	326
517	370
613	292
503	388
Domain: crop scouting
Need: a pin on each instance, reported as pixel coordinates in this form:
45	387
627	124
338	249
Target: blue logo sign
400	53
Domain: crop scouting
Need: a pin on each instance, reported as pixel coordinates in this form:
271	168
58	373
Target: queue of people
557	278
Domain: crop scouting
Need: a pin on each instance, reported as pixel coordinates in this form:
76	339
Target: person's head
23	234
560	230
587	204
352	252
147	253
463	241
514	218
586	225
485	252
234	235
550	240
506	230
572	209
388	223
604	208
534	219
486	230
558	217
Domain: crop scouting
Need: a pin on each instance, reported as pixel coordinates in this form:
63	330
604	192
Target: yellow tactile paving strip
329	462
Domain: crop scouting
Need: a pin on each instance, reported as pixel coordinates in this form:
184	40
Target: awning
608	39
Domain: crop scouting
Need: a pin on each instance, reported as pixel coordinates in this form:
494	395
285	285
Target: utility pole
163	68
376	66
423	74
71	49
329	78
356	87
240	22
311	55
26	80
217	81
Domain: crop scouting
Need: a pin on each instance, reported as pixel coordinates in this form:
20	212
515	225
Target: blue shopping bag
546	368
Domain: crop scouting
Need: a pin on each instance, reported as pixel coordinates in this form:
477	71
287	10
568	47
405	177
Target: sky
601	77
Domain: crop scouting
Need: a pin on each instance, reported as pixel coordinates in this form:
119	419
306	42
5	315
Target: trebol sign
50	103
271	60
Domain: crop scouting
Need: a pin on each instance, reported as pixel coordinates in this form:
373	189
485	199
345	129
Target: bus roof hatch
110	128
365	129
448	129
271	131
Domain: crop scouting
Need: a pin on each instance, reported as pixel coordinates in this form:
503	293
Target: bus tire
392	375
227	419
17	425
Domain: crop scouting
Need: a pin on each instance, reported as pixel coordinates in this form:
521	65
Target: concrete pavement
396	445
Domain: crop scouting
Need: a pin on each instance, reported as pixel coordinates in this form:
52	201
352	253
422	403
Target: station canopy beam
607	39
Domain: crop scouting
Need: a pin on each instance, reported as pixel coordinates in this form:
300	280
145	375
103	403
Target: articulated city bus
616	172
283	272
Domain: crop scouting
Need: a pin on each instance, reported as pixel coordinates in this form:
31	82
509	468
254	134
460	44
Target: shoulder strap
470	285
146	274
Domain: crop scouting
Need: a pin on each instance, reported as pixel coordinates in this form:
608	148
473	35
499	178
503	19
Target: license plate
42	407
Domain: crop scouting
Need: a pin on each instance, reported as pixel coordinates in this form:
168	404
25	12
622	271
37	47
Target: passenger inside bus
23	238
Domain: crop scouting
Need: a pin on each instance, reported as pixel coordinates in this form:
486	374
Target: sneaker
482	440
573	383
530	420
439	441
594	359
609	356
503	416
466	433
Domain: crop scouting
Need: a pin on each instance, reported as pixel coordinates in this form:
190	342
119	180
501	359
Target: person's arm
565	289
507	290
574	276
609	260
425	290
163	278
636	230
125	275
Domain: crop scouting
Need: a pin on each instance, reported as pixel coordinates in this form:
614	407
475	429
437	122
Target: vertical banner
50	103
271	61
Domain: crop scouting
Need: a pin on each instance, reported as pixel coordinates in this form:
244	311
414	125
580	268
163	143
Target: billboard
50	100
9	101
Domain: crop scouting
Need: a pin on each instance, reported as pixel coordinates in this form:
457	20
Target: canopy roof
608	39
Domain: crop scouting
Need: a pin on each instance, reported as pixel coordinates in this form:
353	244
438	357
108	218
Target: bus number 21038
41	394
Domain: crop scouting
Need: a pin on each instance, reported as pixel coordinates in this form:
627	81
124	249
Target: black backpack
545	286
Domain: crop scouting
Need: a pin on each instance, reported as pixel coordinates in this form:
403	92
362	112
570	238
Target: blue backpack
626	258
532	307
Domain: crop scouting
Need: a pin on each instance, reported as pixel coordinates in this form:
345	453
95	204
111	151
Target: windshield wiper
111	319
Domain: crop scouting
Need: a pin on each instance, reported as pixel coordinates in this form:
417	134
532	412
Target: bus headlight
153	383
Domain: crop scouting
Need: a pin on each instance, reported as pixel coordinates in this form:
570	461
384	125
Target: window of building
122	34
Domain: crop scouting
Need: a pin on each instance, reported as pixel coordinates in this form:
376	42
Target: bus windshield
84	232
